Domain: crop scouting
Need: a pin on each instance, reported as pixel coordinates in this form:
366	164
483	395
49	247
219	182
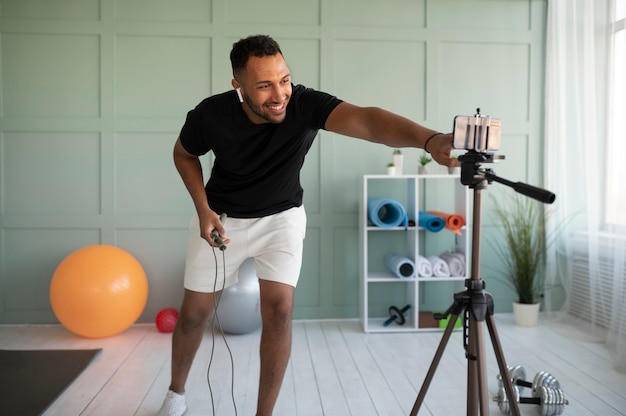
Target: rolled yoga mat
430	222
386	213
402	267
452	222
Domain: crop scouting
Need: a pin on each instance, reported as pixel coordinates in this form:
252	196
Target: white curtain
579	84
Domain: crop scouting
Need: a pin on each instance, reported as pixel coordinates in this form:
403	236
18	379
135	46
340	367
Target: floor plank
352	386
307	398
327	378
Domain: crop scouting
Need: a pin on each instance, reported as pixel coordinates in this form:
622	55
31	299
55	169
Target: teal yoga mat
430	222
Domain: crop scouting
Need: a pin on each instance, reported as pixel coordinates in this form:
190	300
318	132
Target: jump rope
215	236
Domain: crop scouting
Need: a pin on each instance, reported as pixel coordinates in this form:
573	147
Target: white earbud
239	94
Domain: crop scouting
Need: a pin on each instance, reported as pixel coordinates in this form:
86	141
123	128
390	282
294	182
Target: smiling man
259	134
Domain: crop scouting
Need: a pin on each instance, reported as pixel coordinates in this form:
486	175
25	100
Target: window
616	191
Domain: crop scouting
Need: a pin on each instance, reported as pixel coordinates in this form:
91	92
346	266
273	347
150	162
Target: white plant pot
526	314
422	170
391	170
397	160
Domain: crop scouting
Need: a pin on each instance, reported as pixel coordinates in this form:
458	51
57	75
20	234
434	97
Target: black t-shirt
257	166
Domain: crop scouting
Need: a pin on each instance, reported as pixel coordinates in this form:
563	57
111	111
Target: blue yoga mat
386	213
430	222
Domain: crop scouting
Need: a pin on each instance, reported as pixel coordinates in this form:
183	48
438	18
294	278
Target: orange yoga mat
454	222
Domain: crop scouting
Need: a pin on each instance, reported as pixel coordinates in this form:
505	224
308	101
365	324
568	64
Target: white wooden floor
335	369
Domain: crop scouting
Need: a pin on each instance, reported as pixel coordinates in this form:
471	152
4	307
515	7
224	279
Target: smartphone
478	133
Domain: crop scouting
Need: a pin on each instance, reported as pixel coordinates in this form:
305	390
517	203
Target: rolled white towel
440	267
424	267
456	263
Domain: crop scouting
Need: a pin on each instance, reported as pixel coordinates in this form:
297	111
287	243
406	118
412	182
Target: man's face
266	88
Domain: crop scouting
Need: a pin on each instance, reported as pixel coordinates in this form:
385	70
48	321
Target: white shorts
273	242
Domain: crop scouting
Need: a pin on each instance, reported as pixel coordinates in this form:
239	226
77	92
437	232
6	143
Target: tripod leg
477	392
433	366
497	349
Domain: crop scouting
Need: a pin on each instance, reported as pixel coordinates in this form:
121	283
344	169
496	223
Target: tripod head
475	177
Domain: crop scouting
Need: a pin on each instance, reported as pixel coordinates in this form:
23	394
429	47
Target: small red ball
166	320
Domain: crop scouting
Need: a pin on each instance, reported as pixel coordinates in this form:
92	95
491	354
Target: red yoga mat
454	222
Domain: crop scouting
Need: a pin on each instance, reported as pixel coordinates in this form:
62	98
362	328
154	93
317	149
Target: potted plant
523	252
424	160
391	169
397	161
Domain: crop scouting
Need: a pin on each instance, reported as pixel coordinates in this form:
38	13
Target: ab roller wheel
397	315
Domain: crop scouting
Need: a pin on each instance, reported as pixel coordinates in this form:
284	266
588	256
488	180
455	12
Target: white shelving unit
380	288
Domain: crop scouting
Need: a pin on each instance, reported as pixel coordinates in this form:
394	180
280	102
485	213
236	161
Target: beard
259	111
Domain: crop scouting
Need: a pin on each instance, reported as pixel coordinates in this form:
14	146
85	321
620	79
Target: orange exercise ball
98	291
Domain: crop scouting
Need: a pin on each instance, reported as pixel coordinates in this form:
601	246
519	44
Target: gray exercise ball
239	309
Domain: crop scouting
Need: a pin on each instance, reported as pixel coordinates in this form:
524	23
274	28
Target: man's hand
210	221
440	147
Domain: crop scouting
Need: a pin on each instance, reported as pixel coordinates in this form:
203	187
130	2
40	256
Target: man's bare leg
275	348
194	315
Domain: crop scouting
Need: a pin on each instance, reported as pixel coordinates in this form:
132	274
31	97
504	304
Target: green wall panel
394	13
50	75
300	12
30	258
50	173
51	10
345	256
146	181
164	10
511	15
396	82
483	73
159	76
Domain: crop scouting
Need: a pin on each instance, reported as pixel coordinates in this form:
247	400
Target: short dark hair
255	45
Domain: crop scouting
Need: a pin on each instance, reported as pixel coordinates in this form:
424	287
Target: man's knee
191	321
195	311
277	312
276	303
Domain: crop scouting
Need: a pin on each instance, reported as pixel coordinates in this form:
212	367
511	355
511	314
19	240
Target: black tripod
476	304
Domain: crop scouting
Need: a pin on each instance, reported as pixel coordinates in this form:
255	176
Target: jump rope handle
215	236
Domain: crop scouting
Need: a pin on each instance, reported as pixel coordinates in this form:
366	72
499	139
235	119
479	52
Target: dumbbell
551	401
545	379
517	374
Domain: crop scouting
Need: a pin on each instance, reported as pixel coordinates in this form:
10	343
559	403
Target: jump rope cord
214	319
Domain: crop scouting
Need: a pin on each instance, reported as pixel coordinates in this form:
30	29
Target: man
260	134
